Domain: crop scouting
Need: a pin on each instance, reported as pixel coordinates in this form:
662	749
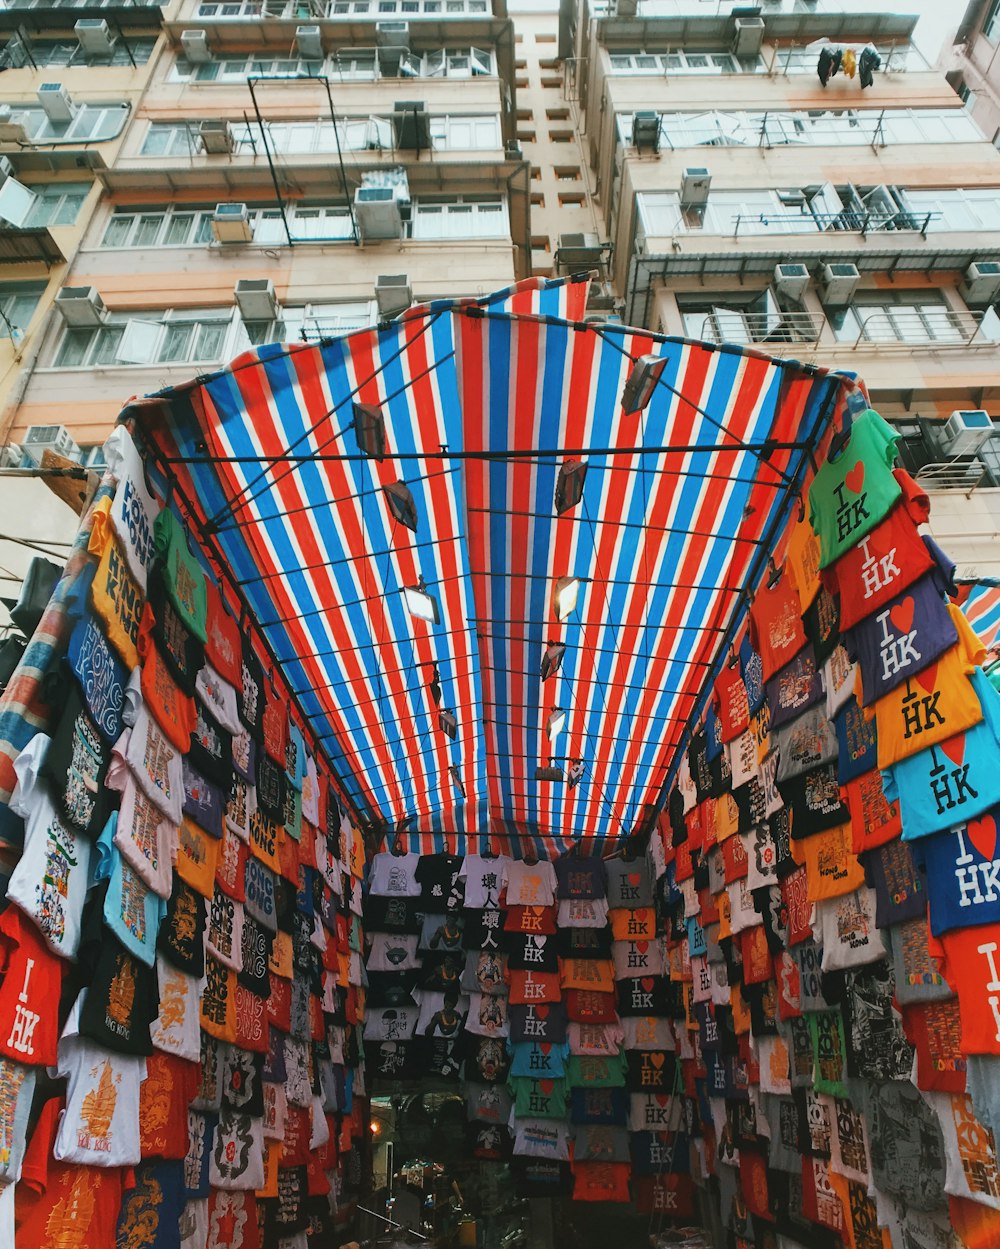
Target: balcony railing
311	10
770	331
965	475
929	327
847	221
885	329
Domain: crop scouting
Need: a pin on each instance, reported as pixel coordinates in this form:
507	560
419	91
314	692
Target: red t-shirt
533	986
589	1006
886	561
601	1181
731	704
172	710
223	644
275	724
934	1029
873	820
535	919
776	632
164	1096
969	959
29	992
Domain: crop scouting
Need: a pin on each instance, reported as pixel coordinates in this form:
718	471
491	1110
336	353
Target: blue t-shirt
752	672
101	674
857	742
904	637
962	867
132	911
954	781
540	1061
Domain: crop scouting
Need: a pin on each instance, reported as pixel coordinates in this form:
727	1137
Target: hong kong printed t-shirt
968	960
182	574
776	631
874	821
173	711
101	674
732	707
117	598
223	642
531	884
29	993
802	562
851	494
182	930
805	743
75	765
815	802
131	910
899	885
832	868
581	877
794	689
134	508
856	742
961	868
145	837
156	764
846	929
100	1125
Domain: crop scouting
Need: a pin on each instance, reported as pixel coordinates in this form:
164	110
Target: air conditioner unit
579	251
982	282
393	294
54	98
231	223
646	130
696	183
840	281
11	131
376	211
792	280
966	431
309	42
392	34
748	36
10	456
80	306
94	36
216	137
194	45
56	438
512	151
255	299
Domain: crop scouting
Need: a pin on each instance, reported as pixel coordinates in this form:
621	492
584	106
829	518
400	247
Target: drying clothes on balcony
830	59
868	62
850	62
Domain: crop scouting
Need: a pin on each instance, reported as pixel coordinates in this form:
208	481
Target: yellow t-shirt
587	973
933	705
116	596
832	867
218	1001
727	817
633	925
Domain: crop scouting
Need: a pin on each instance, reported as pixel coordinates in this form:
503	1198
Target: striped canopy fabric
482	403
982	607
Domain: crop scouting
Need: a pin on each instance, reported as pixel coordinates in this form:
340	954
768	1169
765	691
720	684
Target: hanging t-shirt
960	867
75	764
776	631
175	1030
851	493
394	875
541	1138
49	881
237	1161
218	1001
131	910
163	627
874	821
599	1039
814	801
838	680
899	886
101	674
732	707
134	508
274	723
915	972
968	960
831	866
173	711
181	935
438	877
252	702
182	574
530	884
223	642
155	763
211	748
100	1125
580	876
542	1023
225	930
821	622
117	599
29	993
581	913
970	1154
804	743
794	689
954	781
856	742
845	927
537	1060
220	698
18	1084
630	884
145	837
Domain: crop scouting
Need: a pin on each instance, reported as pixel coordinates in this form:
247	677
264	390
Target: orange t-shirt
173	711
873	820
969	959
776	631
832	867
587	973
802	562
633	925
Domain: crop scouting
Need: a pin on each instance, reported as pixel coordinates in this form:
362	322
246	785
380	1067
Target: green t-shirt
538	1099
852	493
182	573
597	1071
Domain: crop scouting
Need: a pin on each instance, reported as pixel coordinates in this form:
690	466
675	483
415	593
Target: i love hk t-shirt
950	783
851	494
962	870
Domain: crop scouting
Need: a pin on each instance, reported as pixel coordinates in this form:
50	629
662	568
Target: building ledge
29	246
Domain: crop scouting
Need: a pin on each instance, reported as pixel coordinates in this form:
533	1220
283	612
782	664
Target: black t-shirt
581	877
288	1214
542	1022
440	888
180	939
584	942
650	1071
393	1060
822	625
538	1177
814	801
527	952
721	774
780	826
270	788
211	751
675	812
252	702
242	1081
256	948
75	764
751	804
443	974
384	914
486	1059
392	988
483	929
181	651
698	764
442	1052
122	999
488	1140
644	995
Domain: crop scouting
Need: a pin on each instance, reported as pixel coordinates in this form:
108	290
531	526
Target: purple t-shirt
794	688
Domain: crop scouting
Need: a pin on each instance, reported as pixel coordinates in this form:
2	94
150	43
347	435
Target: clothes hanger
489	852
840	439
529	859
398	848
774	574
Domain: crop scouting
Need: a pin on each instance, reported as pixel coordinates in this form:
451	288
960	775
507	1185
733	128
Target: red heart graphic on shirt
656	1060
647	984
546	1047
541	1012
634	878
546	1085
902	614
954	748
642	946
982	833
662	1099
854	478
927	678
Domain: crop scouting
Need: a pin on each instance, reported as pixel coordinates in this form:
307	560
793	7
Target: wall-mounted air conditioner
309	42
41	438
231	223
54	98
393	294
392	34
982	283
376	210
748	36
256	299
579	251
840	281
792	280
696	182
194	45
966	431
216	137
11	131
646	130
80	306
94	36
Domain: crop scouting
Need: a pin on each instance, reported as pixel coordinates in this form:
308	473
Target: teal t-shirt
851	494
538	1099
132	911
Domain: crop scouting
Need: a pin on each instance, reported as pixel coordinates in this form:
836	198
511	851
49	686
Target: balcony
343	10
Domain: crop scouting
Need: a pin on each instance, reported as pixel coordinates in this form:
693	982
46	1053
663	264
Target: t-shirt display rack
787	999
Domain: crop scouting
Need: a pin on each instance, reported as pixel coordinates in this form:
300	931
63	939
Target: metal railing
771	331
932	327
847	221
964	475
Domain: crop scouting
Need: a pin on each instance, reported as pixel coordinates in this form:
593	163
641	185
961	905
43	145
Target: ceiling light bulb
556	722
566	595
421	604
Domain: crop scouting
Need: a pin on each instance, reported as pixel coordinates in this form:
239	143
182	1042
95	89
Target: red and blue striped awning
482	403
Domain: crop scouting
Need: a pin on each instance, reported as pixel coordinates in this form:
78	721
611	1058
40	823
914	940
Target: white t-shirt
176	1030
598	1039
133	509
225	930
220	698
50	880
237	1160
530	884
145	838
647	1032
100	1125
194	1223
742	751
484	879
970	1155
156	764
310	792
845	928
393	952
637	958
541	1138
838	680
275	1111
241	807
394	875
487	1015
390	1023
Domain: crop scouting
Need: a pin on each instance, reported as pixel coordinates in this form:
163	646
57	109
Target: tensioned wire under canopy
482	402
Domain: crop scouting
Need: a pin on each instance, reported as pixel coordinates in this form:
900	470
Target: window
309	322
47	204
188	226
18	301
238	69
684	62
460	219
237	10
91	123
175	336
899	317
991	27
52	53
746	317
